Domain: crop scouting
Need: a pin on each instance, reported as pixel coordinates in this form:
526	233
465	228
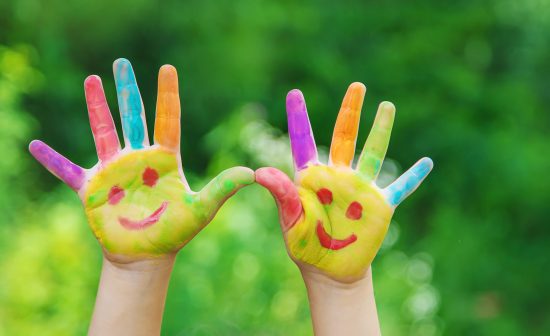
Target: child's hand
334	218
137	200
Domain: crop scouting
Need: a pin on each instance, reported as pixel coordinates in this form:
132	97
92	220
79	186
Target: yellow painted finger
342	148
167	122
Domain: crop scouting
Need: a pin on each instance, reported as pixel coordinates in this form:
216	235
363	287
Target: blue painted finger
130	105
407	183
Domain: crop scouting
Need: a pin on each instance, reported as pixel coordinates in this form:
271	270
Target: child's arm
340	308
334	217
130	299
137	201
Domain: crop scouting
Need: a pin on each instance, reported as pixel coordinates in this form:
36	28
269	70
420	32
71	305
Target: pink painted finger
285	194
57	164
101	120
302	142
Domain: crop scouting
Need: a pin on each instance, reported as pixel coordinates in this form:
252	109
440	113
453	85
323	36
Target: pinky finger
68	172
407	183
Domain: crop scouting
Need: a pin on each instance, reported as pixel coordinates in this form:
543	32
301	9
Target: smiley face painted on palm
136	199
134	204
344	216
334	217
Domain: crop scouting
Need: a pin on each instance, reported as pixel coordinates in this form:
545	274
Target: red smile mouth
142	224
330	243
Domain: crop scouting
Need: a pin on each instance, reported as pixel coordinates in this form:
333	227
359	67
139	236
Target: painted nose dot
355	211
150	177
115	195
325	196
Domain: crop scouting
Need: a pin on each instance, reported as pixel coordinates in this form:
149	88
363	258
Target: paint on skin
150	177
58	165
285	194
354	210
143	223
325	196
331	243
167	121
302	142
101	121
342	148
148	210
408	182
129	102
375	148
116	194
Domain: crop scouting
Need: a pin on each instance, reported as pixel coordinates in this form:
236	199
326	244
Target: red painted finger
284	192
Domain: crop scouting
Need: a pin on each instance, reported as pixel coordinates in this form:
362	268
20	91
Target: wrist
341	308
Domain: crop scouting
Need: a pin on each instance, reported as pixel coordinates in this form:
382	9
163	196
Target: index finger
167	121
302	142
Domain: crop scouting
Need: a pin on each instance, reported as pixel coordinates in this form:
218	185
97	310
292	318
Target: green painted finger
223	186
377	143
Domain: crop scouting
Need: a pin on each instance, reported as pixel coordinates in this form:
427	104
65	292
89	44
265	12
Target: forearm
342	309
130	298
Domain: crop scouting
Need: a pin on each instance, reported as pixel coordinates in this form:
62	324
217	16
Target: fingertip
92	81
426	164
294	101
387	107
244	175
35	145
167	69
168	78
357	87
120	62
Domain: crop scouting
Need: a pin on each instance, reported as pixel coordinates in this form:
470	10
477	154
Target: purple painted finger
302	142
58	165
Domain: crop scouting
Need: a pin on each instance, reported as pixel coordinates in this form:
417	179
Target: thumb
285	194
223	186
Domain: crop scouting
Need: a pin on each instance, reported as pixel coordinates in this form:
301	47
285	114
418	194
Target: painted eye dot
325	196
355	211
115	195
150	177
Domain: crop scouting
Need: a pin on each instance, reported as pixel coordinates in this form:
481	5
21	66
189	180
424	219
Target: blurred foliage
467	254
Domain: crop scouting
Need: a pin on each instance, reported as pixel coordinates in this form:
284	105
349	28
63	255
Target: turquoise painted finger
68	172
407	183
130	105
223	186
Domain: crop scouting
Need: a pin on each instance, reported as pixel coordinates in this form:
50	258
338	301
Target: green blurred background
467	254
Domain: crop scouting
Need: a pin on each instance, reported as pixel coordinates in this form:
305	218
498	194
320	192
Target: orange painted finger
167	122
342	148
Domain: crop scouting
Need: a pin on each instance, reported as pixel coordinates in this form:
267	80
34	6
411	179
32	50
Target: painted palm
334	217
136	199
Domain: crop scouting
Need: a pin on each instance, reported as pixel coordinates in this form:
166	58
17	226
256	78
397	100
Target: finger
302	142
58	165
377	143
342	148
223	186
167	122
101	121
408	182
285	194
130	105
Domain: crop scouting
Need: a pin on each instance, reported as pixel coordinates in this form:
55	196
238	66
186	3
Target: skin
137	201
334	217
